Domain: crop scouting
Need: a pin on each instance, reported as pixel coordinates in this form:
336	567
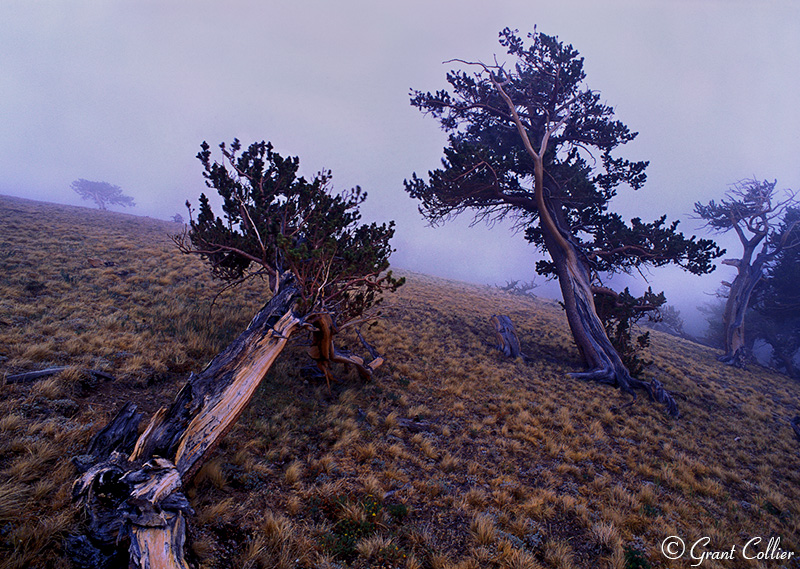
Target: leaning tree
102	194
753	210
325	270
531	141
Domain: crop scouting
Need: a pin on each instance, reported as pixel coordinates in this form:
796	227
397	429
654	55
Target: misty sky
125	92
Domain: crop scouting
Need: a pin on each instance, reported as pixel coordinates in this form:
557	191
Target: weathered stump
507	341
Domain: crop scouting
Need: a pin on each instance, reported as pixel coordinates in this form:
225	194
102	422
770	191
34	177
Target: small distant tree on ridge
101	193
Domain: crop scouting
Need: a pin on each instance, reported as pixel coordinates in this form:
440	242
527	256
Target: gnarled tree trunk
788	363
587	329
602	359
741	288
605	364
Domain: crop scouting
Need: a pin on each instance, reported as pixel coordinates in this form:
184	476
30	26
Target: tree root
737	359
601	375
655	390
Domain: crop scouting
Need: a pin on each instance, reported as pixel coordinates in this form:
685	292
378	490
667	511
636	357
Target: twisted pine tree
294	231
530	141
325	271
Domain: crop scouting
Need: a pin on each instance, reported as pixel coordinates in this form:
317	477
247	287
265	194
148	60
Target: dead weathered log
415	426
136	499
507	341
96	263
98	374
119	435
131	485
29	376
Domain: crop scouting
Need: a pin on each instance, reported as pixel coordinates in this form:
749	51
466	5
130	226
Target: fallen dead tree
132	493
322	266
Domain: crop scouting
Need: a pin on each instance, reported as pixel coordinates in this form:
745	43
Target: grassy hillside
452	457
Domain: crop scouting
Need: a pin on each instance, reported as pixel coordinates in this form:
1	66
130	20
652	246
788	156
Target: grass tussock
453	457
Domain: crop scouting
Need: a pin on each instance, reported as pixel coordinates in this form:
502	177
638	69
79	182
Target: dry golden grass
452	457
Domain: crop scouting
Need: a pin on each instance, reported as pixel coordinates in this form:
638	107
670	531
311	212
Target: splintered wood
137	485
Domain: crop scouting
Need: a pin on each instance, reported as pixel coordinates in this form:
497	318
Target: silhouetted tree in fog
101	193
753	210
776	299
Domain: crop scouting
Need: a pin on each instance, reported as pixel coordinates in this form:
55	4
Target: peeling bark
118	436
168	541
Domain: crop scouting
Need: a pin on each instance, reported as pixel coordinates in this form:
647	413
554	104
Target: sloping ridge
454	456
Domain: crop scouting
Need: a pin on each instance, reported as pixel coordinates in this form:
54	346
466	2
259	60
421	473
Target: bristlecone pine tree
754	211
325	270
530	141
